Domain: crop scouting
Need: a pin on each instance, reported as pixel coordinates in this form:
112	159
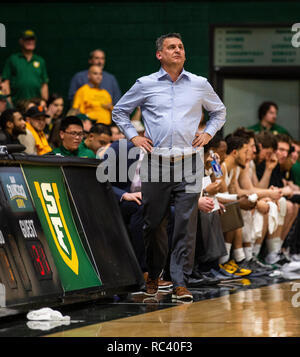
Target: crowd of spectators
248	219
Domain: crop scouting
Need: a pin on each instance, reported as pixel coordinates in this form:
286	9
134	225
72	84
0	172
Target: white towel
253	197
227	196
258	223
46	325
247	230
273	217
282	210
46	314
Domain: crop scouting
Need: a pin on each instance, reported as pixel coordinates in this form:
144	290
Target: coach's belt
172	158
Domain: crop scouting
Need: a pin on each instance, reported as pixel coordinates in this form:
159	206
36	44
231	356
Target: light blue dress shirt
171	110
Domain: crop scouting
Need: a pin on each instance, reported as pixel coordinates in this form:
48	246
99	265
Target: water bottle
216	166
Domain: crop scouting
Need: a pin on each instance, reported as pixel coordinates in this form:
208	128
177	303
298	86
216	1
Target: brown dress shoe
151	287
164	284
182	293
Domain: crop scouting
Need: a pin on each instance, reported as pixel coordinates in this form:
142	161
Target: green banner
51	201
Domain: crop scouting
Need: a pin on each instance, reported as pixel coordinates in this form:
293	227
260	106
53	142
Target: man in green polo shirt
71	134
24	74
267	114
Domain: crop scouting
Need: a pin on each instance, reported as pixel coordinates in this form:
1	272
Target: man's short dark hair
159	42
234	143
214	143
267	139
283	138
70	120
264	107
100	129
245	133
6	116
91	54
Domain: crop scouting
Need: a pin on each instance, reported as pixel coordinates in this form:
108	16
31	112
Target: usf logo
49	197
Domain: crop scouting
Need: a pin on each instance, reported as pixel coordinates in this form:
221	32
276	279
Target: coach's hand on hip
142	142
201	139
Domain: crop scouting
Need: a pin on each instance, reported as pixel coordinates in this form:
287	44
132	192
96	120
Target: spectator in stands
116	133
92	100
12	124
3	102
24	73
98	139
35	140
23	105
267	114
38	101
55	109
109	82
71	134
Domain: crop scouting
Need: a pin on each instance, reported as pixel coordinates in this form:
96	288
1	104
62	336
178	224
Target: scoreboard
55	238
26	262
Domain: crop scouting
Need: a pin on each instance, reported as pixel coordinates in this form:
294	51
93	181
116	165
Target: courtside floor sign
50	198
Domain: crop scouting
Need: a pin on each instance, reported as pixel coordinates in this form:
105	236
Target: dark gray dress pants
157	197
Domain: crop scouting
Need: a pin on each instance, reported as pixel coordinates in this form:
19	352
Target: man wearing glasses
71	134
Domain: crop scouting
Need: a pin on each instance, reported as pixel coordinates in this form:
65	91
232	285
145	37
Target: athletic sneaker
182	293
257	270
283	259
263	264
239	270
227	269
223	275
295	257
209	278
202	278
277	260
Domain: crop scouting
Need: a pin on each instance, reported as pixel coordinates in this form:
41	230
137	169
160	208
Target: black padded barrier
27	268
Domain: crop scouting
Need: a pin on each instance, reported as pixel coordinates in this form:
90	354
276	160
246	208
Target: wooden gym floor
263	312
257	307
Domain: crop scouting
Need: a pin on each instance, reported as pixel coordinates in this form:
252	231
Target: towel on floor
46	314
